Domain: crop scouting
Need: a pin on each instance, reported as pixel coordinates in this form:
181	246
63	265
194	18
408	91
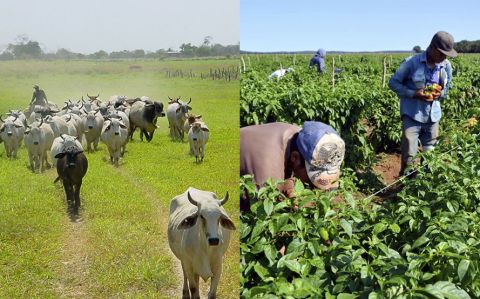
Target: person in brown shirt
38	97
282	151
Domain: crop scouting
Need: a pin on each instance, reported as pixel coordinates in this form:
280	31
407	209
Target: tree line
25	48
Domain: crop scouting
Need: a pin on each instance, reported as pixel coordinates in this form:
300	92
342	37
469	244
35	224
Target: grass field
119	247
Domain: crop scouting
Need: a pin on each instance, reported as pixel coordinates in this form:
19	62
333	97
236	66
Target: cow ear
188	222
122	126
60	155
189	108
178	109
18	126
26	132
226	222
205	129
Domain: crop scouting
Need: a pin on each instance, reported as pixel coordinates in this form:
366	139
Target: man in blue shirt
420	110
319	60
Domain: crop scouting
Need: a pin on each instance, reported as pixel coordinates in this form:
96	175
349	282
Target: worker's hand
420	95
436	93
288	188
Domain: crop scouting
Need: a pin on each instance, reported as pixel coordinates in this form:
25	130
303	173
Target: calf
72	166
38	139
198	137
176	115
198	235
11	132
114	135
191	118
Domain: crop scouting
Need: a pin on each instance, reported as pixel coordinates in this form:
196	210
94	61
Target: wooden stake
384	78
333	72
294	58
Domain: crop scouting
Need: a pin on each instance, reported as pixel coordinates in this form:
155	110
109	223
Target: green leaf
395	228
420	241
462	269
261	271
271	254
268	206
448	289
294	265
347	227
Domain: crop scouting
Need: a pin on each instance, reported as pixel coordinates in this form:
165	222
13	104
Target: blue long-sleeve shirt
318	60
413	74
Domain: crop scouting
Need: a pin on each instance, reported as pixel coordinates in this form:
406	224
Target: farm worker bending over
280	73
282	151
421	82
318	60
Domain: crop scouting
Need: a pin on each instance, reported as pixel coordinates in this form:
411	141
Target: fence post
384	71
333	72
243	63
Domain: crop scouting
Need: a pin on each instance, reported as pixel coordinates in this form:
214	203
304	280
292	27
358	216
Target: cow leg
95	143
217	272
68	191
45	157
193	284
149	136
30	157
185	289
89	146
77	197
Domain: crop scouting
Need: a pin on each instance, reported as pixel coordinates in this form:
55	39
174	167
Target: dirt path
160	215
74	261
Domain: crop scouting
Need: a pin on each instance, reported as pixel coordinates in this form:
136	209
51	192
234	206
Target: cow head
9	125
197	128
70	150
159	109
114	126
209	215
35	132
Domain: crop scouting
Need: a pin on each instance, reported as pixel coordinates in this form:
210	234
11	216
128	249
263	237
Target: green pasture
118	248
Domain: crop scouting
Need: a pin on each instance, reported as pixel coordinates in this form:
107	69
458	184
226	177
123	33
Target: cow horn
97	95
61	135
70	117
1	118
87	95
15	118
80	106
224	200
83	100
191	200
41	122
70	101
189	101
170	98
85	111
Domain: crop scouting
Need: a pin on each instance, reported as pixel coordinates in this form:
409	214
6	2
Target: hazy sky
113	25
343	25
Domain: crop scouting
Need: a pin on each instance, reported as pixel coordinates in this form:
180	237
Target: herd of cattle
113	122
197	219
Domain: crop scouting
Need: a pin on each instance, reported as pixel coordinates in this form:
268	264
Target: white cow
176	115
198	137
38	139
20	115
198	235
58	125
114	135
62	144
93	124
11	132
